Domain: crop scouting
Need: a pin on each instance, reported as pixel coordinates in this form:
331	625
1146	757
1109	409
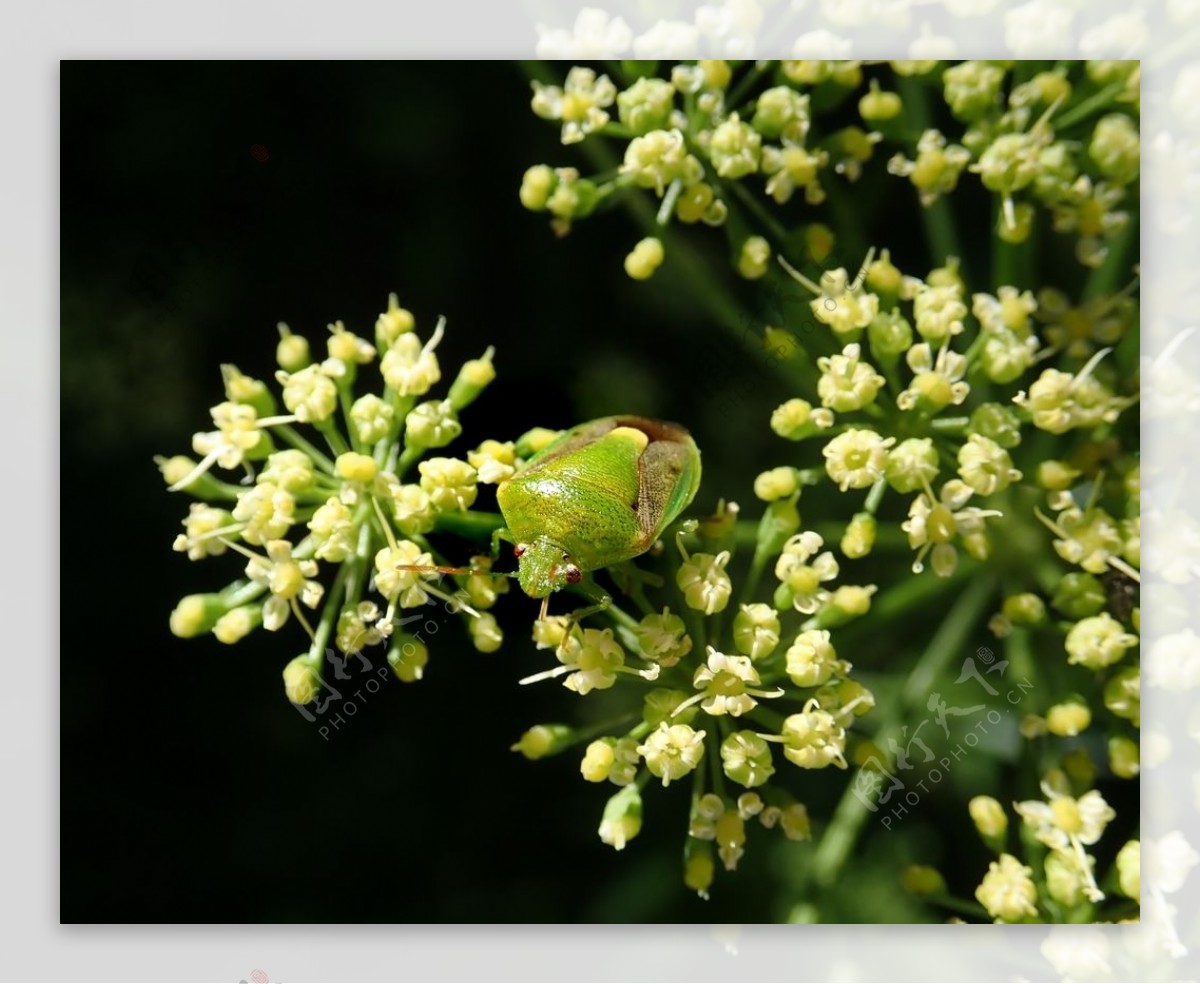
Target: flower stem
297	440
851	814
937	217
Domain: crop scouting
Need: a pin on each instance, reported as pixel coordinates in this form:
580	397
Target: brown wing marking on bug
659	468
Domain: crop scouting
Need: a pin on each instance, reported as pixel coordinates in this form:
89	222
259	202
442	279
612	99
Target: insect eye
573	574
519	549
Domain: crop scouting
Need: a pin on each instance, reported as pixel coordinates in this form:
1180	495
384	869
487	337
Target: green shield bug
598	494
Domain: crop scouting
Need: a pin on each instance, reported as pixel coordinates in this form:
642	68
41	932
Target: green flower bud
911	465
746	759
890	336
1123	695
472	379
735	148
622	820
292	353
972	89
300	680
663	639
989	817
486	635
573	197
358	469
796	419
1056	476
407	656
697	202
884	277
779	522
1107	72
533	441
196	614
658	158
859	538
921	879
848	602
537	184
371	419
1115	148
1079	595
985	466
240	388
543	740
754	258
1056	173
393	323
778	483
431	425
1078	765
1124	757
646	105
1129	869
1097	642
660	705
1024	609
598	760
813	739
811	659
645	258
1068	719
1051	87
671	751
782	112
698	866
237	623
878	106
449	482
998	423
1018	230
756	630
1065	881
1007	891
717	73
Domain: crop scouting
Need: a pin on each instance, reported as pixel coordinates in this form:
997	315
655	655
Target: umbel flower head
332	535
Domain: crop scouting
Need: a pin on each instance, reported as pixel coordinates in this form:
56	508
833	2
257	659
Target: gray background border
35	36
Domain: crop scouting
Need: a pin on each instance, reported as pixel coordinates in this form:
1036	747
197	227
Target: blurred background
201	204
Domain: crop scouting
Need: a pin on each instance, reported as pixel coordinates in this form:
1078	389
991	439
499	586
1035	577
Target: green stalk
937	217
1093	104
851	814
470	524
298	441
1104	279
329	614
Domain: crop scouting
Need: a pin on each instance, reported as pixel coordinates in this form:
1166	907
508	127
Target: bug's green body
599	494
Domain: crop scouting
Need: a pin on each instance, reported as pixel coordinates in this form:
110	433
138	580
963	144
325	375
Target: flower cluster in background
715	138
327	532
728	690
995	411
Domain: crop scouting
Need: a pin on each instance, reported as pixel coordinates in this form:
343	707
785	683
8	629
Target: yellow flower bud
644	259
988	816
300	680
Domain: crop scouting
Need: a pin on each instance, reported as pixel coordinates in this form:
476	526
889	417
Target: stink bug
599	494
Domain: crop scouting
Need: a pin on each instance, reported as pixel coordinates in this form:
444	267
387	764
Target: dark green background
191	790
